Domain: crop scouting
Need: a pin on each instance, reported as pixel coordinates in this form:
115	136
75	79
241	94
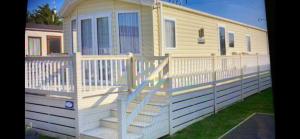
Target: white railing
143	67
123	102
49	73
264	62
227	66
189	71
250	64
103	71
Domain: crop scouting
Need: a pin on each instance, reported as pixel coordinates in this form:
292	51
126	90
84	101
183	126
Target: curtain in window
248	44
86	37
34	46
170	34
103	35
74	35
128	32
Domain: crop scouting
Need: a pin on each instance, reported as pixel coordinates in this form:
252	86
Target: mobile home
142	69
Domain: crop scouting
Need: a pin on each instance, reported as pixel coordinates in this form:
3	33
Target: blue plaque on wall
69	104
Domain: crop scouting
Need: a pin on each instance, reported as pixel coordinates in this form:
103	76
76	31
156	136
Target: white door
95	34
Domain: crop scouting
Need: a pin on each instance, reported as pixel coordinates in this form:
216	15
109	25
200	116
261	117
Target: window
54	44
170	39
73	35
222	40
34	46
86	36
201	39
231	39
248	40
103	35
201	33
129	32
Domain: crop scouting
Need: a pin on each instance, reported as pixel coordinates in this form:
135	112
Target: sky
245	11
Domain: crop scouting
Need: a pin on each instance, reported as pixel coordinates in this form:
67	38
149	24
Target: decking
129	96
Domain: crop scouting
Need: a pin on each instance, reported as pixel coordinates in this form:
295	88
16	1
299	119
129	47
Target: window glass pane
231	39
86	36
103	35
128	32
201	33
54	45
248	43
222	40
170	34
74	34
34	46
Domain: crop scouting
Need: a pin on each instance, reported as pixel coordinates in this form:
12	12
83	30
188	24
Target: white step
106	133
154	98
140	117
143	112
153	103
135	126
151	108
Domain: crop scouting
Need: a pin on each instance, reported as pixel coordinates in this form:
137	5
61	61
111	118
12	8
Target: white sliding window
129	37
86	37
103	35
34	46
73	36
170	39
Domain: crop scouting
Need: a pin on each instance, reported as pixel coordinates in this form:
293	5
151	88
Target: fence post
122	129
258	71
130	71
77	82
214	82
241	76
167	87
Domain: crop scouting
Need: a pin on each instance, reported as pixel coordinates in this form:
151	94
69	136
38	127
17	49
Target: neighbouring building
43	40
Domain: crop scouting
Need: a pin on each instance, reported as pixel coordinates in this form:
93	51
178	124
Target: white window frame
218	38
74	50
93	17
109	15
163	32
248	35
140	29
233	39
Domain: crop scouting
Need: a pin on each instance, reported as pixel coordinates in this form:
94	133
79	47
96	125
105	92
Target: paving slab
258	126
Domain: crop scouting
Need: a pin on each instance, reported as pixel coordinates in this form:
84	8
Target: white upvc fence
103	71
78	73
49	73
198	93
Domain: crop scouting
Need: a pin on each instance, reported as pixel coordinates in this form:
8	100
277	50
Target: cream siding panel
188	24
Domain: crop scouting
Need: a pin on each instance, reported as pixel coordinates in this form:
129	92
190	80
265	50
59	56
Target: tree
44	15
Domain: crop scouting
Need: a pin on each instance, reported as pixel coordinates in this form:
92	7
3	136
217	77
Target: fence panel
143	67
103	71
189	71
49	73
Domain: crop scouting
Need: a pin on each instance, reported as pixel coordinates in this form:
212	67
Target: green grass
214	126
45	137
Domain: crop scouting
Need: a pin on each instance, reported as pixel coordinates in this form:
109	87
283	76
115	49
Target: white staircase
151	122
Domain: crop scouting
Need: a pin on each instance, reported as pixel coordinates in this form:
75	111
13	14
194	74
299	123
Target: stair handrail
125	122
140	88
